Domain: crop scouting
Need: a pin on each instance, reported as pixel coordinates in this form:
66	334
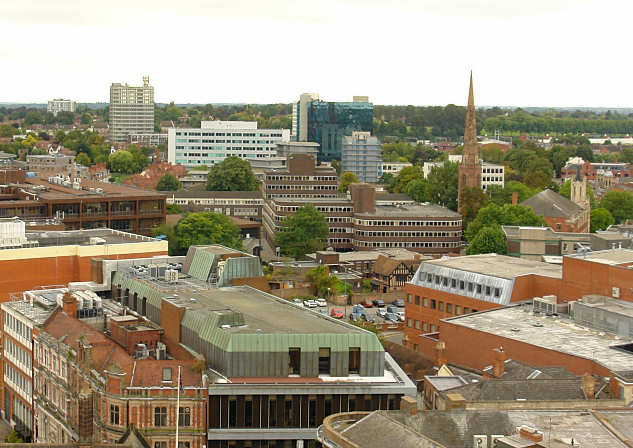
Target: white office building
61	105
131	110
216	140
491	173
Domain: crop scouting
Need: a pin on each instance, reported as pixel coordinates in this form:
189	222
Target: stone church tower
579	195
469	168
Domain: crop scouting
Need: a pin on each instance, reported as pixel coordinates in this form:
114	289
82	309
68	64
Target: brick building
592	171
470	167
560	213
240	204
357	221
84	204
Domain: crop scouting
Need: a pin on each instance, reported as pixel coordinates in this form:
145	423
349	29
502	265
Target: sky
561	53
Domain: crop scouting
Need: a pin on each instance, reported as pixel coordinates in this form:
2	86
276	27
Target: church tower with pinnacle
469	168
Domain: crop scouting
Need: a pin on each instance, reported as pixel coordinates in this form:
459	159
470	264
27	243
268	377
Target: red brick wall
582	277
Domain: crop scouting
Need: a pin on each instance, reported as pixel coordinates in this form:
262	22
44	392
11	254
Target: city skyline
527	53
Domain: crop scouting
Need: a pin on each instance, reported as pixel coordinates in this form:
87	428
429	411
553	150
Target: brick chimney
363	197
69	305
498	362
440	356
532	434
589	386
515	198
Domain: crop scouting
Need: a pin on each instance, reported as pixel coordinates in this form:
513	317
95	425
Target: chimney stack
440	357
515	198
499	362
69	305
589	386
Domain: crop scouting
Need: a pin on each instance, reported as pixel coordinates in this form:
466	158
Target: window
453	283
114	414
166	373
497	292
324	360
449	307
432	328
425	302
471	287
312	412
160	444
409	321
408	298
248	412
433	304
160	416
232	412
184	445
487	290
441	306
417	324
184	416
461	285
294	366
272	413
354	360
466	310
479	289
417	300
415	347
445	281
425	326
458	310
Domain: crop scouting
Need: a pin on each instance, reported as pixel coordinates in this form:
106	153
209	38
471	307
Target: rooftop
48	191
552	333
551	204
216	194
89	237
612	257
412	211
501	266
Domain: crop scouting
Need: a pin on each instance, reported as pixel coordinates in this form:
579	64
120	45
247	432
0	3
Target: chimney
589	386
69	305
515	198
440	357
498	362
408	405
363	197
530	433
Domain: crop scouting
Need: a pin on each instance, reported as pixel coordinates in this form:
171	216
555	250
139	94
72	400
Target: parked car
392	309
379	303
381	313
336	313
367	317
354	317
398	302
321	302
401	315
358	309
310	303
367	303
392	317
297	302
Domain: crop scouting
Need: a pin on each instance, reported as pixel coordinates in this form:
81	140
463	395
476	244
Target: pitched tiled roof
550	204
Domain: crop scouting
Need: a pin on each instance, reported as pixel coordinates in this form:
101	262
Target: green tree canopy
168	182
204	228
442	185
601	219
503	195
6	130
417	190
232	174
83	159
489	239
122	162
619	204
347	178
507	215
322	280
406	175
472	200
305	231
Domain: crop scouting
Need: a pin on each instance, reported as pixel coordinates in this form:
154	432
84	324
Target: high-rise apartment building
361	154
216	140
326	123
61	105
131	110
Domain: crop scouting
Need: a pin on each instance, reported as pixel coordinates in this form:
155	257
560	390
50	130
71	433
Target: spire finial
470	128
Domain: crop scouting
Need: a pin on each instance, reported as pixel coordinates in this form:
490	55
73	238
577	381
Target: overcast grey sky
522	52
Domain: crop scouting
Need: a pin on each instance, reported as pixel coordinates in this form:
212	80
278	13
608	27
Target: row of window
439	305
295	178
418	244
320	208
21	382
51	392
300	187
462	285
17	326
396	234
49	359
217	201
17	353
228	134
492	170
425	223
423	326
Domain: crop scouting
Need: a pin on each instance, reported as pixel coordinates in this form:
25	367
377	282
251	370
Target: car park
398	302
336	313
358	309
379	303
401	315
367	303
354	317
310	303
392	317
367	317
381	312
297	302
392	309
321	302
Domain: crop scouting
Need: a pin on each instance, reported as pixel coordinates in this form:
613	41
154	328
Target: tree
174	209
501	196
473	199
305	231
489	240
347	178
601	219
122	162
507	215
232	174
406	175
205	228
619	204
565	190
336	164
83	159
14	437
168	182
417	189
442	185
6	130
366	285
322	280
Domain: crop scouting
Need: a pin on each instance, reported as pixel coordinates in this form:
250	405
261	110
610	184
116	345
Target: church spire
470	156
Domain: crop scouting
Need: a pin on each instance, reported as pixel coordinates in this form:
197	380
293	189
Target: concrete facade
131	110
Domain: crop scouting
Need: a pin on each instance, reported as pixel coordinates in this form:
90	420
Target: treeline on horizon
391	123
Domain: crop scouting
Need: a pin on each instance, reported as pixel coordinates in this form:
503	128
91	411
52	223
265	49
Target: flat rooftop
82	237
216	194
610	256
364	255
49	191
552	333
501	266
412	211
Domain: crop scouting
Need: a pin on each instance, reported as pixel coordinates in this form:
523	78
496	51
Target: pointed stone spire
470	153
